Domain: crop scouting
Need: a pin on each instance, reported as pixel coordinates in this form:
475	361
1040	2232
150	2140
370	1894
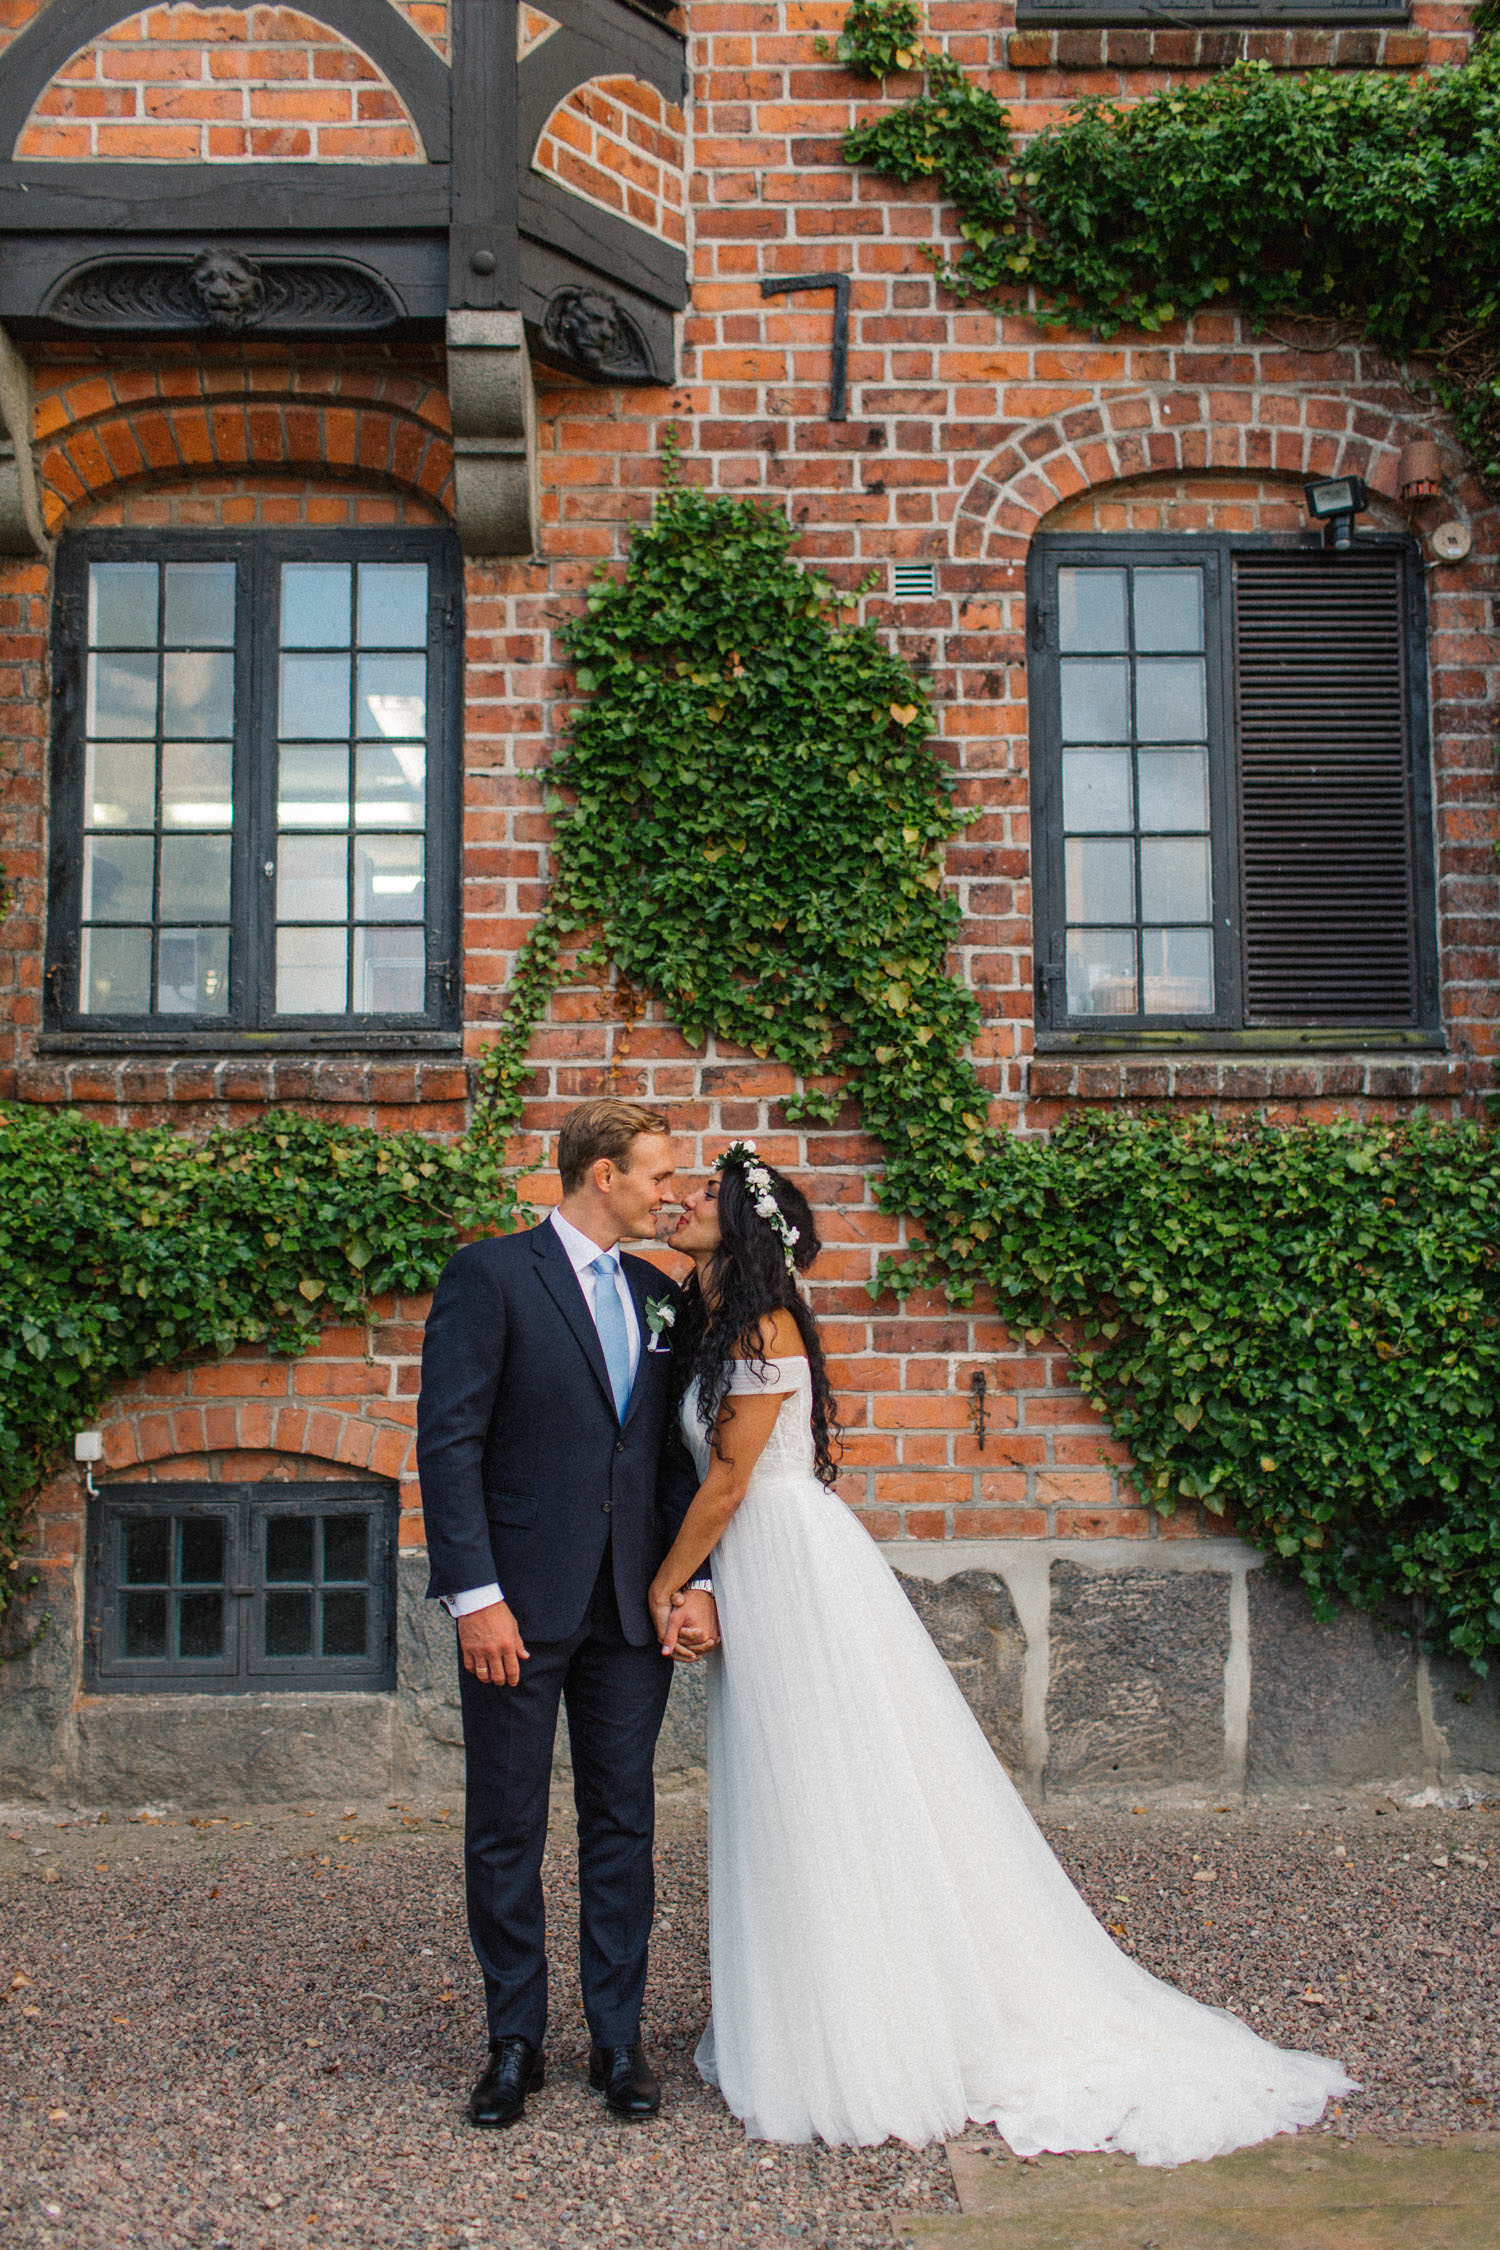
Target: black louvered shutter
1326	825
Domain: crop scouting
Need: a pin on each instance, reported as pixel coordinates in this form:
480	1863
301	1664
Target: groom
552	1486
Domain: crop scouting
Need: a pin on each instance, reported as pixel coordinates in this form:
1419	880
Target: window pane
390	971
146	1550
1096	789
392	696
390	784
1091	610
121	695
200	1625
393	605
122	605
1168	609
197	692
345	1546
1174	879
1100	880
1095	699
1174	788
192	974
115	973
1101	973
289	1547
312	786
1169	699
117	878
1179	967
194	879
143	1624
312	968
344	1624
388	878
312	878
289	1622
315	605
314	695
120	785
201	1550
199	605
197	784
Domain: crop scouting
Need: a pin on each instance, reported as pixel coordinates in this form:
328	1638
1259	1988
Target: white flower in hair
762	1195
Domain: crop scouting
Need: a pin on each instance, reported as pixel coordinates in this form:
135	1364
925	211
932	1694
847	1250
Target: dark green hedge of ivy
1368	198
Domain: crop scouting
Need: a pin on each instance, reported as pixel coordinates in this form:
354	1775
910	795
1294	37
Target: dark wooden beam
218	198
482	242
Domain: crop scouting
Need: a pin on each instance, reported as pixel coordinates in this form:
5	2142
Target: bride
894	1948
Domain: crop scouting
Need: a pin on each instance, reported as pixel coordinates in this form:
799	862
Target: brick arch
1150	433
142	1433
130	425
363	42
617	143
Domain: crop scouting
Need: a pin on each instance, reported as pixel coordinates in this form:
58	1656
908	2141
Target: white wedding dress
894	1948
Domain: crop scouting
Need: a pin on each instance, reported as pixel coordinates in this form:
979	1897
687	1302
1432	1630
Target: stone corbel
494	445
22	530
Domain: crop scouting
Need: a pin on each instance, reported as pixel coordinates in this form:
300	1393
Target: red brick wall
184	85
967	433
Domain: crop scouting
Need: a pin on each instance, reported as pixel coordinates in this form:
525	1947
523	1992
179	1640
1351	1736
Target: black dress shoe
514	2070
623	2076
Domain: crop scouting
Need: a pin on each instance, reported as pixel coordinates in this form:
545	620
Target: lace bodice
789	1449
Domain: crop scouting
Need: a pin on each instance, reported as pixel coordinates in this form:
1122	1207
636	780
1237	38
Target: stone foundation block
1136	1687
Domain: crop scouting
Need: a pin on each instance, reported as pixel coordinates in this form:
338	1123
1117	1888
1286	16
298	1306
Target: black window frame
1226	1027
245	1510
252	1024
1204	14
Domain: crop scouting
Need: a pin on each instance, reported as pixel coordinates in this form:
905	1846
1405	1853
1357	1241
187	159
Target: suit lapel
566	1290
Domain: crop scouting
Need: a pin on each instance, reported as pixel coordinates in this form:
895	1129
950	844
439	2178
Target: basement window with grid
241	1587
255	786
1231	795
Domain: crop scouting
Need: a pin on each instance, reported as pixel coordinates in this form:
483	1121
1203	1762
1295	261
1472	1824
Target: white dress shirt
581	1255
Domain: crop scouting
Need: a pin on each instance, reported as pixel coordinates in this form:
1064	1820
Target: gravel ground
256	2031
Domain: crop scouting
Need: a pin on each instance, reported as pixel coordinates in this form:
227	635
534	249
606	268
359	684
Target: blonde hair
602	1128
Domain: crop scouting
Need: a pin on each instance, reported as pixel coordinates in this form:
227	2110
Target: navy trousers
615	1696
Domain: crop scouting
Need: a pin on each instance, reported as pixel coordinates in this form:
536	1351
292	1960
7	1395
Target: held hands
490	1644
687	1624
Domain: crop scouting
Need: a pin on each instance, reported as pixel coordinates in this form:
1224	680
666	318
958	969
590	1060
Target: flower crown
758	1181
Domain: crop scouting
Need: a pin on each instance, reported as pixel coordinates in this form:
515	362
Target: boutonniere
661	1314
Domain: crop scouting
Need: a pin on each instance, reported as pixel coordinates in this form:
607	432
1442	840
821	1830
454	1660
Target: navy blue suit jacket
526	1468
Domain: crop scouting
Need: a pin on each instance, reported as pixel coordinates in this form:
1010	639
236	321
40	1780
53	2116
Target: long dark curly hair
746	1279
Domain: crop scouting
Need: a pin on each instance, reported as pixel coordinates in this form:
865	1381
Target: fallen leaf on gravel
57	2117
120	2019
31	2011
1205	1874
18	1982
1314	1999
101	1867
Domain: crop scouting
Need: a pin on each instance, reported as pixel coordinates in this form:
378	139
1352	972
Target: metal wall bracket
838	377
22	529
490	392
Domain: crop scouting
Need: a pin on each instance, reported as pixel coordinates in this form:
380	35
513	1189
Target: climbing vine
1368	199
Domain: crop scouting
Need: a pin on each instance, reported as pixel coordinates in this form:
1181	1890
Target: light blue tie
609	1319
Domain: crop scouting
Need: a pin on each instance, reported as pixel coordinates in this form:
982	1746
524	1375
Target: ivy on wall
1368	199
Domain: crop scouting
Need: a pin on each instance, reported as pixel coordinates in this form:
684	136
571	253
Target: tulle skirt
894	1948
